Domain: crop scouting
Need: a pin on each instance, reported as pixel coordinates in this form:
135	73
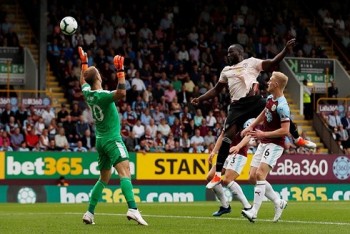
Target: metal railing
325	134
321	127
343	103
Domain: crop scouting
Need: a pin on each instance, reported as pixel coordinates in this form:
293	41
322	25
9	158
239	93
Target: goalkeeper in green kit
110	147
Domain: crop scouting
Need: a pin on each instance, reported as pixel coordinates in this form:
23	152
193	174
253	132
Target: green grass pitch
299	217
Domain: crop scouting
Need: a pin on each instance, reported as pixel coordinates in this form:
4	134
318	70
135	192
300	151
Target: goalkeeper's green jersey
104	112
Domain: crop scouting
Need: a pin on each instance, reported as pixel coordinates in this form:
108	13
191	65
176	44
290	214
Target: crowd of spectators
30	129
174	51
8	34
335	19
340	128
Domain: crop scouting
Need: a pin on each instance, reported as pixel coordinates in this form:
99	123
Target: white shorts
267	153
235	163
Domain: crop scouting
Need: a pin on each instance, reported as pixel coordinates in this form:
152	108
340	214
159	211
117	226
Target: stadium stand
165	50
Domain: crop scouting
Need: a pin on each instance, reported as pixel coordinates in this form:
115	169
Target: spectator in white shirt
334	120
138	129
131	72
183	54
89	37
211	120
328	21
48	114
152	127
140	85
197	138
39	126
44	139
164	128
145	32
61	139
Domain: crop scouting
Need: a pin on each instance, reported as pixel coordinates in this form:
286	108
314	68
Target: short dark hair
238	47
90	75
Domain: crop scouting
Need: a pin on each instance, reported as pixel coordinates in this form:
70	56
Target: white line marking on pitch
180	217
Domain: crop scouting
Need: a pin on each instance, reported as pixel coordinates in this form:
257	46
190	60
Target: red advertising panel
311	169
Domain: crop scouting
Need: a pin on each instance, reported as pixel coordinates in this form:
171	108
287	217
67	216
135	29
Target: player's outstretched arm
216	147
84	65
211	93
269	63
120	92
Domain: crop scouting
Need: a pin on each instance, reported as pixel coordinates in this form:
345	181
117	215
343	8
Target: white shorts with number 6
235	163
267	153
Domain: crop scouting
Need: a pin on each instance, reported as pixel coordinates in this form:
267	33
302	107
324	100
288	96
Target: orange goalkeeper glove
83	58
119	65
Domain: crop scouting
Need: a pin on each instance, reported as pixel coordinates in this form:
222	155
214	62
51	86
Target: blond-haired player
276	123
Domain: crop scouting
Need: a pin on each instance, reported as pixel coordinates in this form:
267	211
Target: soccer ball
68	25
26	195
248	123
228	195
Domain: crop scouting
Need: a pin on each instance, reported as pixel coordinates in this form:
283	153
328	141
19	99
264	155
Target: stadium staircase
316	36
332	51
329	41
27	39
306	125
